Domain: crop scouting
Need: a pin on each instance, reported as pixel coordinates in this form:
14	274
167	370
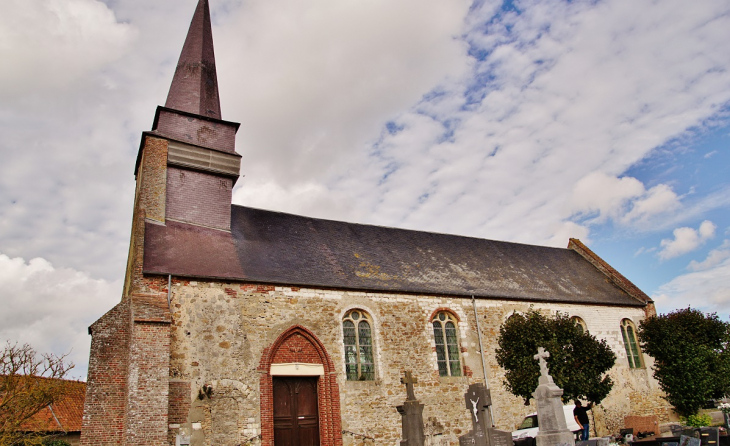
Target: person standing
580	413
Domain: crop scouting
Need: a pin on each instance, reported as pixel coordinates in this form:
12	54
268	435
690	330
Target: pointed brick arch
299	345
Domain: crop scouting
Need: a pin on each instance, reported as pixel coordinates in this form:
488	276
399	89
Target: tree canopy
578	362
28	383
691	357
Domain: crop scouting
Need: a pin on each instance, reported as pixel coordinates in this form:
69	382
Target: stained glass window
633	354
580	322
447	344
357	337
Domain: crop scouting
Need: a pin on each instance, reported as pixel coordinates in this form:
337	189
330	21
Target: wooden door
296	420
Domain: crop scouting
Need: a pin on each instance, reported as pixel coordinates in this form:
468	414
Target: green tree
691	357
25	389
578	362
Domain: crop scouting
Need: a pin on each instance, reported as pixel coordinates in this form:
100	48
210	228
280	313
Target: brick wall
105	404
148	384
149	201
179	401
298	344
199	198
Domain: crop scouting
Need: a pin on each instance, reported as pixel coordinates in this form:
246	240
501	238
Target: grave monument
478	399
412	414
553	429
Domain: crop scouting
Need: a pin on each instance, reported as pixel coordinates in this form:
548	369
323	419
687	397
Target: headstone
710	436
686	440
642	424
477	400
412	414
593	442
553	430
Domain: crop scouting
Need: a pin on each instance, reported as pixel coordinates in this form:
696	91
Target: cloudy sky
526	121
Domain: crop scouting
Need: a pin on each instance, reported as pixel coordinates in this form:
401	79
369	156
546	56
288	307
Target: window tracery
447	344
358	342
633	353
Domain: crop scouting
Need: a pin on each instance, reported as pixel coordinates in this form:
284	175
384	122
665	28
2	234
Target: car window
528	422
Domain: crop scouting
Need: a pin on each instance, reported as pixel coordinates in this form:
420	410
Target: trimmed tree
691	357
578	361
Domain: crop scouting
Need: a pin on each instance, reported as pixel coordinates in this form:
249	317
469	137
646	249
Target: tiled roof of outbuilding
279	248
64	415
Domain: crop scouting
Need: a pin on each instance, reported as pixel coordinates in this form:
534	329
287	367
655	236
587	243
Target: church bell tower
187	164
201	164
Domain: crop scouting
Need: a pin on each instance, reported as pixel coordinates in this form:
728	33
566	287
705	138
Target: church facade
248	326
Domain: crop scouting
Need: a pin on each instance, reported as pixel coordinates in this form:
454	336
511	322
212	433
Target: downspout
169	291
481	353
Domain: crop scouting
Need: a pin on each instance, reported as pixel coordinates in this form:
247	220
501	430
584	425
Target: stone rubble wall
220	330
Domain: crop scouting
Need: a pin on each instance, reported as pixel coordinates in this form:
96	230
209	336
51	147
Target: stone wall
221	330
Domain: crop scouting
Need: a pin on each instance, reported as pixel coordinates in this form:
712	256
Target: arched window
580	322
447	344
358	340
628	332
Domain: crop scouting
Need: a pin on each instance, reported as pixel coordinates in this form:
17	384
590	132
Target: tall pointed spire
194	87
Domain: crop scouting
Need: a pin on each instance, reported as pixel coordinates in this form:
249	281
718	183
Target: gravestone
641	424
412	414
593	442
710	436
687	440
478	399
553	430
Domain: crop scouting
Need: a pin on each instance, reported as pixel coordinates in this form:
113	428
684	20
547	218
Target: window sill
363	383
451	379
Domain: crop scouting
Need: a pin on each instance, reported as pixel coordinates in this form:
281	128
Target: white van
528	427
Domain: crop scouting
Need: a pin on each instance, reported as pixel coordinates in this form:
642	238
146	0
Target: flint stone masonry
221	329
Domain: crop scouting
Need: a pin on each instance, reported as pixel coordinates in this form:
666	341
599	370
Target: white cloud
686	240
570	95
658	200
625	200
713	258
49	43
313	81
708	290
50	308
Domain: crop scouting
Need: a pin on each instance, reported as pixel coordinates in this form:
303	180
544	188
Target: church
244	326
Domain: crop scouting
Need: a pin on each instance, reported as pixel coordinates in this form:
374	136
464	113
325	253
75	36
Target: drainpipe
169	291
481	353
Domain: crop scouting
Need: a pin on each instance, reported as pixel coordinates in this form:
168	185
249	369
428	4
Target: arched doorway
300	399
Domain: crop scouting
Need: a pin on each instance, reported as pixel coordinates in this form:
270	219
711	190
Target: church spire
194	87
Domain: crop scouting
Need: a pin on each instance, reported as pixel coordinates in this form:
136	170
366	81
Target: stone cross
409	380
541	356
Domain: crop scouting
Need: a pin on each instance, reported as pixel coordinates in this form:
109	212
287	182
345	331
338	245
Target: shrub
699	420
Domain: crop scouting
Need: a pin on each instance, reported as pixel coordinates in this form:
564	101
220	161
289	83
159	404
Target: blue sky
527	121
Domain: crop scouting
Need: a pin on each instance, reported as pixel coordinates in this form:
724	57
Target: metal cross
409	380
541	356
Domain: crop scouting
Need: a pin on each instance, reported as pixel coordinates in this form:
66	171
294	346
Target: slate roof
279	248
194	86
